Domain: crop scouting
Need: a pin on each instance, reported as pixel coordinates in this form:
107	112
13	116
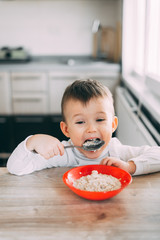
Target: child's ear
64	128
114	123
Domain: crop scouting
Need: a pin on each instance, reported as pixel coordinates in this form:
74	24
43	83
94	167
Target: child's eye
100	120
80	122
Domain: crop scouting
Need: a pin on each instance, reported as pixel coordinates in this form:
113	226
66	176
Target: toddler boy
88	113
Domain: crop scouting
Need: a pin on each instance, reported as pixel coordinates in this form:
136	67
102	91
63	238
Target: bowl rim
65	175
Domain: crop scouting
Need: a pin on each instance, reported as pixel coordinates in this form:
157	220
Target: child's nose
91	127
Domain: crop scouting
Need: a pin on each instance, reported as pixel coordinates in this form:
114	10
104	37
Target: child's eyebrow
77	115
81	114
102	112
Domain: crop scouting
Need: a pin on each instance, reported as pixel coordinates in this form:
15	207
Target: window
153	38
141	38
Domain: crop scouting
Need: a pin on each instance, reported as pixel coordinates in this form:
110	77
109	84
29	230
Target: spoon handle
72	146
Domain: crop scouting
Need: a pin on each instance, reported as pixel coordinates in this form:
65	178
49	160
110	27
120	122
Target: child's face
93	120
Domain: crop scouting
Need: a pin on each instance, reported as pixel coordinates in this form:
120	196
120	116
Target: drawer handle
27	99
3	120
26	78
56	119
29	119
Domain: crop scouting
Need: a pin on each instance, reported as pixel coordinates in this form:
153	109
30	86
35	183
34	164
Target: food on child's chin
97	182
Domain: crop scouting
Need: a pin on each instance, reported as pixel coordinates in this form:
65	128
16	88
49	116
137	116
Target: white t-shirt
146	158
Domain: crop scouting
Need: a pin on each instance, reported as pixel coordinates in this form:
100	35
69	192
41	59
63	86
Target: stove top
13	55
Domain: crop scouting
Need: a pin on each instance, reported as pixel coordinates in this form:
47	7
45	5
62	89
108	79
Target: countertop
40	206
49	63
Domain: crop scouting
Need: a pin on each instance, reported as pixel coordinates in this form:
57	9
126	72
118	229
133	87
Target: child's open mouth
93	144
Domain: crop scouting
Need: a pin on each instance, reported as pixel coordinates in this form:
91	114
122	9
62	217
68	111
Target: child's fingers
55	151
45	155
61	149
108	161
104	161
51	149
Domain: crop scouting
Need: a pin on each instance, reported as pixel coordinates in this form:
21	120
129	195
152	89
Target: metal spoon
90	145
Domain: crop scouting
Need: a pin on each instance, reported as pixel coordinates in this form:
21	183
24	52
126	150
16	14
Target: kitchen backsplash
55	27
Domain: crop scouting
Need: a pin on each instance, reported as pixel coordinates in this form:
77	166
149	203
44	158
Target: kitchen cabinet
29	81
5	100
6	139
109	79
29	93
23	126
37	87
6	134
57	84
28	103
58	81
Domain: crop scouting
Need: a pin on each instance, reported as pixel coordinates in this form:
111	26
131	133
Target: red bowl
75	173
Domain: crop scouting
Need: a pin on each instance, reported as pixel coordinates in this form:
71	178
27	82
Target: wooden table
40	206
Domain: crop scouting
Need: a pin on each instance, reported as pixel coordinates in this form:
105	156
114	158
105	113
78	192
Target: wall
55	27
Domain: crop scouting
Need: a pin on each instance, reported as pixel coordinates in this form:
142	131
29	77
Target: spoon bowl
90	145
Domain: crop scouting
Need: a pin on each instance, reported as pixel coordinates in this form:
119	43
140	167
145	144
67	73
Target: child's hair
84	90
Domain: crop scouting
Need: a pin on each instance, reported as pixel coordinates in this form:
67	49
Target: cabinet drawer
5	102
30	104
29	81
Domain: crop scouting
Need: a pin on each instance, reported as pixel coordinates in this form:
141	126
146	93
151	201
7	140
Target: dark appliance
14	55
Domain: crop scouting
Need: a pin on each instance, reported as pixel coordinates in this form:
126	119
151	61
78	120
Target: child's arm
32	154
136	160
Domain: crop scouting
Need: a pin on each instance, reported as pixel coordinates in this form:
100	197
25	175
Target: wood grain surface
40	206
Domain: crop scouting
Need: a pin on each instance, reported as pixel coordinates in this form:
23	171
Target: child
88	113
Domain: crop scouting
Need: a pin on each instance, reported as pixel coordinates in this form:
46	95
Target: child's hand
45	145
116	162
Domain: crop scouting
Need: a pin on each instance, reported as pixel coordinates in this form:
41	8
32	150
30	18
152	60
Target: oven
137	126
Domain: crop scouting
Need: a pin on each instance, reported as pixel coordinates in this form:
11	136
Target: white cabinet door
5	102
109	79
57	87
